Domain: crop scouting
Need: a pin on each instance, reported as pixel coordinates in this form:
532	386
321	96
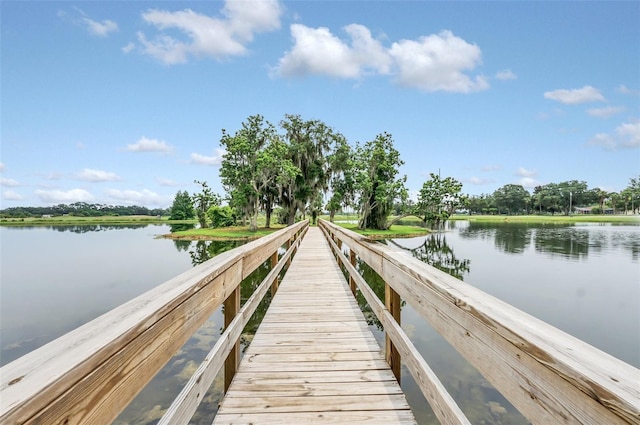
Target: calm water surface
583	279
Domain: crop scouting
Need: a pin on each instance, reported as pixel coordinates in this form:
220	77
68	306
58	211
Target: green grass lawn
551	218
396	231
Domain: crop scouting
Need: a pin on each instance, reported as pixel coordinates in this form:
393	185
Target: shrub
221	216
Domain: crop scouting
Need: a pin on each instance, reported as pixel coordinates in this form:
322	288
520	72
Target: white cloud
101	29
439	62
145	144
629	134
197	158
128	48
8	182
606	112
208	36
1	167
626	90
604	140
81	19
528	182
134	197
54	176
506	74
478	181
60	196
523	172
573	97
626	135
493	167
318	51
166	182
10	195
91	175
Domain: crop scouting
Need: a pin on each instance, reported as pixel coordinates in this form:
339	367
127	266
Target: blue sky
123	102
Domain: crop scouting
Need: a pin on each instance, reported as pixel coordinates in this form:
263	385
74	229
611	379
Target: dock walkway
313	358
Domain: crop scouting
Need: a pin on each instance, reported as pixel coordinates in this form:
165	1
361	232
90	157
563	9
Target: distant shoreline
89	221
574	218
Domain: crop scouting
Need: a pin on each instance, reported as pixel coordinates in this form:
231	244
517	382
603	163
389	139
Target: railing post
231	308
392	303
274	263
352	281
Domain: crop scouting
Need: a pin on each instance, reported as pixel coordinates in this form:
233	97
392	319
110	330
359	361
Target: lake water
583	279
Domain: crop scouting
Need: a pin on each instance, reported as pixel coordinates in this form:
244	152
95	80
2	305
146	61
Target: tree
511	197
310	144
572	193
439	198
634	193
483	204
376	167
203	201
182	207
255	167
548	198
342	182
599	196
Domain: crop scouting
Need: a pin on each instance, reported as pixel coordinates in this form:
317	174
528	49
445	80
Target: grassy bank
396	231
78	221
550	218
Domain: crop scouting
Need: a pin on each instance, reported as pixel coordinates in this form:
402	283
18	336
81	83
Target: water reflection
205	250
376	283
513	238
152	402
570	243
85	228
181	227
436	252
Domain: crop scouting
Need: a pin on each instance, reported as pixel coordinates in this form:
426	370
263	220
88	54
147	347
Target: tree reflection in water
205	250
179	369
437	253
571	242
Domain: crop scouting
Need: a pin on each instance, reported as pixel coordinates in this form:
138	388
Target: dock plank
313	358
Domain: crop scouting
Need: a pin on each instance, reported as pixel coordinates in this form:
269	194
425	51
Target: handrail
547	374
444	407
89	375
185	404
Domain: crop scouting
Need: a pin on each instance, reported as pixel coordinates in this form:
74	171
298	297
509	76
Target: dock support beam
392	303
352	281
231	309
274	263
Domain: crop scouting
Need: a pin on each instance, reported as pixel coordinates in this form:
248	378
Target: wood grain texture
443	405
309	363
186	403
550	376
90	374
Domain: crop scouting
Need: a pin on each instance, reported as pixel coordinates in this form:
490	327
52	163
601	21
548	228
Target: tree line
557	198
81	209
286	171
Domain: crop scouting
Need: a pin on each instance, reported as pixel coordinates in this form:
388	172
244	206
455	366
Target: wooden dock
313	359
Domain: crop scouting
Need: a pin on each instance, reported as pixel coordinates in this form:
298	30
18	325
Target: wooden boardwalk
313	359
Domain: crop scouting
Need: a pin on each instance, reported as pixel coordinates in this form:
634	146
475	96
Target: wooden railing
548	375
91	374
